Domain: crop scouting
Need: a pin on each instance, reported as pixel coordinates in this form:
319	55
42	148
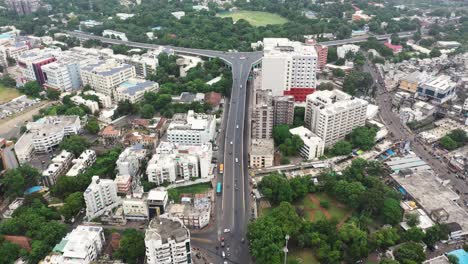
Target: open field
305	256
314	212
256	18
174	193
6	94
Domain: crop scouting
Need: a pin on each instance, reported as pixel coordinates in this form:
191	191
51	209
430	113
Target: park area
255	18
318	206
7	94
174	193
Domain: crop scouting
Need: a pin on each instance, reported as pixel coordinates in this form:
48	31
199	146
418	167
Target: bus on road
221	168
219	188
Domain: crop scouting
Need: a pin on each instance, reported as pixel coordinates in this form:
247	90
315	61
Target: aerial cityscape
233	131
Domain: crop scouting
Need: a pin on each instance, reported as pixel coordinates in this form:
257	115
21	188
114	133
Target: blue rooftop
461	254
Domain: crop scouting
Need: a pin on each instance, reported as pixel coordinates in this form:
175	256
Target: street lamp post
285	249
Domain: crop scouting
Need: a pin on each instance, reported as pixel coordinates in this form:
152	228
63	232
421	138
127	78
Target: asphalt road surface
402	132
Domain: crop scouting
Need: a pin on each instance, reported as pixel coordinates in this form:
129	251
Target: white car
237	160
223	254
237	126
227	230
231	143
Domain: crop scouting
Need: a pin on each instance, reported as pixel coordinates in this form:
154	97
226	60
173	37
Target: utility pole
285	249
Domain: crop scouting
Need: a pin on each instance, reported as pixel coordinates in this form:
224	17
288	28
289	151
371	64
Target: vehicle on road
237	160
237	126
223	254
219	188
241	86
242	240
222	243
221	168
227	230
231	142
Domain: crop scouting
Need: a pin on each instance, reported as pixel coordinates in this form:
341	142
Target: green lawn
256	18
337	210
6	94
304	256
313	212
174	193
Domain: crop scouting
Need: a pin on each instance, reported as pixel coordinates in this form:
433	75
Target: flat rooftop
262	147
432	195
134	86
165	229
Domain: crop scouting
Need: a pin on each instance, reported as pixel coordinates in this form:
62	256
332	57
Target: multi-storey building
332	115
438	89
283	110
104	75
59	166
81	246
114	34
44	134
172	168
322	54
313	146
84	161
130	159
7	155
23	7
411	82
11	47
92	105
191	128
261	154
289	67
135	209
157	200
134	89
100	196
341	51
105	100
63	74
262	115
32	61
124	183
192	216
167	240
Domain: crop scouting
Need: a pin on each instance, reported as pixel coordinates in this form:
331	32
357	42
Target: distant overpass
364	38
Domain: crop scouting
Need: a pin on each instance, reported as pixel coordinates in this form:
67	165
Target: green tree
435	52
384	238
299	113
92	126
448	143
338	73
355	240
132	247
341	147
410	252
357	83
349	193
388	261
391	211
73	204
9	251
299	187
16	181
53	94
453	259
276	188
281	133
363	137
147	111
414	234
434	234
8	81
74	144
412	220
325	86
32	89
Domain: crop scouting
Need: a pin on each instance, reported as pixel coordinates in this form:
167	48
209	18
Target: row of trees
455	139
360	138
277	188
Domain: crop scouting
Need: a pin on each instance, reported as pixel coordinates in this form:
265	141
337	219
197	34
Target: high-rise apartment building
262	115
167	241
63	74
191	128
332	115
283	107
290	67
322	54
100	196
104	75
31	63
23	7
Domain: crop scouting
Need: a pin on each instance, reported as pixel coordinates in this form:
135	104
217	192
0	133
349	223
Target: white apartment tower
262	115
83	245
289	66
63	74
332	115
100	196
191	128
167	241
104	75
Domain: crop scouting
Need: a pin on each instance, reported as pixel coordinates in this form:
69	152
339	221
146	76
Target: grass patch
174	193
7	94
305	256
255	18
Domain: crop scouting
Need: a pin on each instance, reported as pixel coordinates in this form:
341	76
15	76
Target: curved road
233	209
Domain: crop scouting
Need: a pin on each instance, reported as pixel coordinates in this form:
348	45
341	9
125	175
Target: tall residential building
32	61
44	134
105	100
191	128
289	67
81	246
58	167
322	54
130	159
262	115
167	241
283	107
23	7
104	75
100	196
157	200
134	89
63	74
80	164
332	115
439	89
